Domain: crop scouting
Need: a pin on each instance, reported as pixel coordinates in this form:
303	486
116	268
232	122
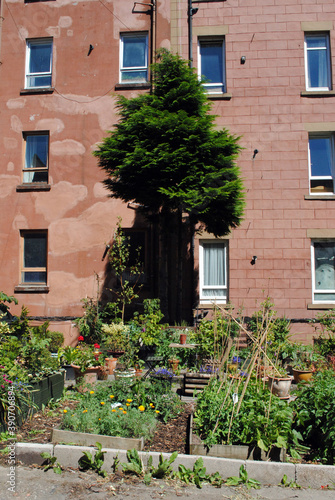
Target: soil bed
168	437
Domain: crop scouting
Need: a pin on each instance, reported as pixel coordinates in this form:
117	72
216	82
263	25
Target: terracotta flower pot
183	338
302	375
110	364
89	376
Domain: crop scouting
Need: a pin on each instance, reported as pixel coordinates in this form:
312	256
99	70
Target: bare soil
168	437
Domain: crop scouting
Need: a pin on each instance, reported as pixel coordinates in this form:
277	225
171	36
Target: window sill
319	197
321	306
40	90
317	93
219	97
132	86
31	289
33	187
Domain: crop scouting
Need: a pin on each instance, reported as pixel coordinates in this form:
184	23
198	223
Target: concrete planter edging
268	473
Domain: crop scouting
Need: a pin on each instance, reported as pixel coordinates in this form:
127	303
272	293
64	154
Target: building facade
269	66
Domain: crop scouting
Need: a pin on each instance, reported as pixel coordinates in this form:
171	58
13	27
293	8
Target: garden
140	370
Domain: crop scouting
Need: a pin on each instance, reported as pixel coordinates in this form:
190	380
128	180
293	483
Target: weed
87	462
198	475
51	463
289	484
243	479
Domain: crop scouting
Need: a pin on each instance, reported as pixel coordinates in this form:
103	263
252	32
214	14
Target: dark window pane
320	151
40	58
34	277
35	250
134	52
211	62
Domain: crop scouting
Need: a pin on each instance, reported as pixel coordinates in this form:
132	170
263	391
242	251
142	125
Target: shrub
315	415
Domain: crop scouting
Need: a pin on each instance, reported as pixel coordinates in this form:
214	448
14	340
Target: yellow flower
99	419
112	396
129	400
141	408
157	411
124	412
85	411
120	408
65	411
151	405
91	392
127	404
113	410
102	402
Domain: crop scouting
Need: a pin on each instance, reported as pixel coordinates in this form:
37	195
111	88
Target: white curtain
214	269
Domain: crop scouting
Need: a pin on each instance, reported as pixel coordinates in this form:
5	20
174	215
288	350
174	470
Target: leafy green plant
263	421
289	484
198	475
95	463
134	464
125	288
314	409
244	479
51	463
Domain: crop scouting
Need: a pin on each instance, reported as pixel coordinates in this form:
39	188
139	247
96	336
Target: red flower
80	338
96	346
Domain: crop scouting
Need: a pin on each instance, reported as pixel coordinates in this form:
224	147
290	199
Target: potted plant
115	337
279	383
66	357
125	366
87	363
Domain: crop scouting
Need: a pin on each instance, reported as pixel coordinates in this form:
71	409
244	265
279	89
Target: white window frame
25	269
327	49
320	291
133	69
30	43
219	299
33	170
326	179
216	87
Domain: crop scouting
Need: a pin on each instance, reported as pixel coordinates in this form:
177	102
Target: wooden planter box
86	439
196	382
233	451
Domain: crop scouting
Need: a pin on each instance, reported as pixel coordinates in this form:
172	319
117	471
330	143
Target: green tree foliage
166	154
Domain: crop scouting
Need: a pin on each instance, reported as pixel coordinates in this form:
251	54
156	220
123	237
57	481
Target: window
38	63
213	271
317	61
134	58
34	257
211	64
36	152
323	256
321	163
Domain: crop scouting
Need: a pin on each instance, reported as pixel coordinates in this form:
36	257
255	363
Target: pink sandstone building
270	70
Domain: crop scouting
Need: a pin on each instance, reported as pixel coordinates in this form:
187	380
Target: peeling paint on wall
61	198
18	103
93	227
67	147
20	222
7	185
54	125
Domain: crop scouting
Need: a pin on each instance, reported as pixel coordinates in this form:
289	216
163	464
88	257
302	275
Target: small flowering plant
162	373
86	356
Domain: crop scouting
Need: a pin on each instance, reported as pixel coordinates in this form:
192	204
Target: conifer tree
166	154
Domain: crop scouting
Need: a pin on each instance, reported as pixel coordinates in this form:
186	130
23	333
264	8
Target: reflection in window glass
318	61
134	58
324	269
